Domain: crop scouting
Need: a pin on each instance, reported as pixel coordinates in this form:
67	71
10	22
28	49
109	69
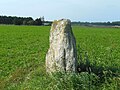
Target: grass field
22	59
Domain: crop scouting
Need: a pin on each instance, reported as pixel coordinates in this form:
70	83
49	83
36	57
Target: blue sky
76	10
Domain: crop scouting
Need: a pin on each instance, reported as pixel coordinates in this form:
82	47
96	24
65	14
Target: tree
38	21
31	22
17	21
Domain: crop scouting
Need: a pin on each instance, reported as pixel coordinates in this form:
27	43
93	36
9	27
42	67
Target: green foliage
72	81
22	59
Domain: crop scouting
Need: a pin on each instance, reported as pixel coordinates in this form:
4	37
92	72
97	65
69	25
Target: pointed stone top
61	22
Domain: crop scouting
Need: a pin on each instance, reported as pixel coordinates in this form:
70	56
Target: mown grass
22	59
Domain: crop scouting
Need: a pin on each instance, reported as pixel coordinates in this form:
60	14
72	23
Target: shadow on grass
85	65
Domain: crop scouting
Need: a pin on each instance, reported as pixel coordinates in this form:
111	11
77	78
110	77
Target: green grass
22	59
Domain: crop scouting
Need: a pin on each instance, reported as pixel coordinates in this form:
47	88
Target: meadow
22	59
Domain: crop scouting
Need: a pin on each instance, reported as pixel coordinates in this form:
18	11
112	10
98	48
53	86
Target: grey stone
62	54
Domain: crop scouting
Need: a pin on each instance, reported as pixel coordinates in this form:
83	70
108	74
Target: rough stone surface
62	55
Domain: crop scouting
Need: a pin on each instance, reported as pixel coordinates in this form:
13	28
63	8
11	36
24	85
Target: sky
75	10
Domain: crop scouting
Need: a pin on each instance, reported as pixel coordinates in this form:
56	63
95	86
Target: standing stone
62	55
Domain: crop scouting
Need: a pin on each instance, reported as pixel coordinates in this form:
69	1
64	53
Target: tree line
115	23
21	20
40	21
